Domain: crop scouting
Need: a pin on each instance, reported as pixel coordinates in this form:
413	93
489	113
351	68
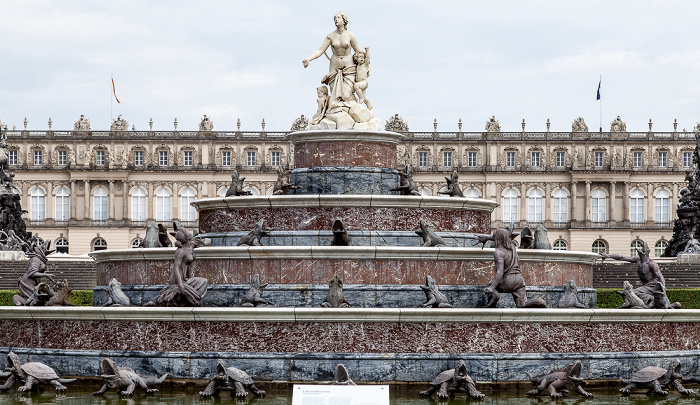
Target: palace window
637	159
38	158
599	159
534	206
599	247
472	159
188	158
187	211
687	159
663	159
138	158
226	158
101	204
99	157
535	159
163	205
662	205
447	159
422	159
510	206
560	206
275	158
510	159
660	247
250	158
62	157
636	244
598	206
560	245
99	244
138	204
561	159
62	245
637	206
162	158
38	204
62	204
472	193
12	157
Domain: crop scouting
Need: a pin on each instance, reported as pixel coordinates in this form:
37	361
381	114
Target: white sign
340	395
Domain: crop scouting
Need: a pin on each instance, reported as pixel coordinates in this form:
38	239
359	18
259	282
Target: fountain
345	169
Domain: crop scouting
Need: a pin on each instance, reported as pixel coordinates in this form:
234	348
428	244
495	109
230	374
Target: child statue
361	59
322	101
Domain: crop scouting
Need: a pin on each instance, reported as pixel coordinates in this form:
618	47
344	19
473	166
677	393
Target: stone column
613	197
587	202
50	201
650	203
175	203
111	199
673	202
125	200
547	202
150	202
523	203
87	199
574	197
626	202
73	199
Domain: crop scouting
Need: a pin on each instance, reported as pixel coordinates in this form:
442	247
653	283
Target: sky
444	61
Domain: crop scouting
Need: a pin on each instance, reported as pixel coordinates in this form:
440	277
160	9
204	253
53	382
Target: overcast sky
430	60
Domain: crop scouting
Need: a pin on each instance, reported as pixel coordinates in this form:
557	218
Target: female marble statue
342	69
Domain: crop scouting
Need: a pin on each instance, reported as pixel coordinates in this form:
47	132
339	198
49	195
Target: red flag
114	90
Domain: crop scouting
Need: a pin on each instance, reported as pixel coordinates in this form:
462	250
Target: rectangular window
188	158
100	158
637	159
663	159
138	158
62	157
226	158
535	159
250	158
12	157
510	159
38	158
275	159
447	159
422	159
561	159
599	159
163	158
687	159
471	159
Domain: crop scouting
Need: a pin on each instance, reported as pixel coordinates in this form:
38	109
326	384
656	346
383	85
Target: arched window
560	206
560	245
187	211
598	206
138	204
38	208
636	244
163	205
660	247
62	245
661	207
101	204
62	205
534	206
424	193
472	193
136	243
99	244
637	206
599	247
510	206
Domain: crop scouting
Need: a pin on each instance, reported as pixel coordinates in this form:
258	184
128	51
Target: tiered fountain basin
392	345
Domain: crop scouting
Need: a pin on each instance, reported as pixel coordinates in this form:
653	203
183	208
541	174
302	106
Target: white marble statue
346	76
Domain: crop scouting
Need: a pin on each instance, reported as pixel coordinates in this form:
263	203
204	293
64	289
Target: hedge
607	297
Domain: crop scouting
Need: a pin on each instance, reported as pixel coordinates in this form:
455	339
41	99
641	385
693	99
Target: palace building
594	191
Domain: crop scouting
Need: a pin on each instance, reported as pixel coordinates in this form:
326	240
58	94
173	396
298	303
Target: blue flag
598	98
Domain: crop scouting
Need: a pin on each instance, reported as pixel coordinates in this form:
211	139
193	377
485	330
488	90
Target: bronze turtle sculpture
125	377
657	379
560	381
450	381
31	374
232	379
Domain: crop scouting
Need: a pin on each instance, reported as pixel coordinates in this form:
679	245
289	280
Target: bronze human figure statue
648	272
508	278
36	269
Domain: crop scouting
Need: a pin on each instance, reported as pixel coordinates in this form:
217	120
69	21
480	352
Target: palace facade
593	191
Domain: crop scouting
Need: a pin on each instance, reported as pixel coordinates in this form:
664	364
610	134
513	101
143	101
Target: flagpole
111	102
600	120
